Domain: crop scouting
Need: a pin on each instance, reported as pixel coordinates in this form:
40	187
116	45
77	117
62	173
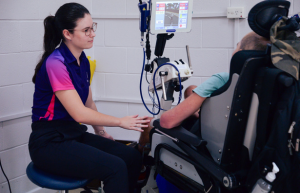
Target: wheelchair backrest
223	116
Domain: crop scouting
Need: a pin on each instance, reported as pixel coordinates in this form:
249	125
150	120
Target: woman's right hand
134	122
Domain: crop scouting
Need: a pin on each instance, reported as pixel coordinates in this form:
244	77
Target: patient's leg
144	137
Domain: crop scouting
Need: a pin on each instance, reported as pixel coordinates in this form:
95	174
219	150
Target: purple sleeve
58	75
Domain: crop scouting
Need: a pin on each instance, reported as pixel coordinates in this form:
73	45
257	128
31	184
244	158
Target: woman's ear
67	34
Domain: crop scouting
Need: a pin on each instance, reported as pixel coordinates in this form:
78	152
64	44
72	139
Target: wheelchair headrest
269	19
264	14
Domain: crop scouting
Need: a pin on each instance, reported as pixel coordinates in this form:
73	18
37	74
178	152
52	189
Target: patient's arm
175	116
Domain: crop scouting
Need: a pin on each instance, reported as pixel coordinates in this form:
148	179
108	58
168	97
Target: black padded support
181	134
263	15
232	158
273	82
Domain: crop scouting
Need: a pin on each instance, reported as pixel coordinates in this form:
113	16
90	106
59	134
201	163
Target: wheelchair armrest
181	134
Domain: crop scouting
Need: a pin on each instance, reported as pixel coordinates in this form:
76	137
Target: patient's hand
196	114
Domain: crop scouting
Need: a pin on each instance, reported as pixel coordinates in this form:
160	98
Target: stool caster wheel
86	190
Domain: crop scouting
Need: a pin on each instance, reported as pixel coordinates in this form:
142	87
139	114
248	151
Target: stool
54	182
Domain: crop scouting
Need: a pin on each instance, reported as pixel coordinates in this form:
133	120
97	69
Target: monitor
169	16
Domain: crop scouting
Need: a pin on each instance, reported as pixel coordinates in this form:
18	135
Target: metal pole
189	58
163	87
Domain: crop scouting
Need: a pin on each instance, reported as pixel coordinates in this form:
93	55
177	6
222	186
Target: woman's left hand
104	134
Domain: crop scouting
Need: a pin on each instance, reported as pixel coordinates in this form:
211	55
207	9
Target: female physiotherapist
63	99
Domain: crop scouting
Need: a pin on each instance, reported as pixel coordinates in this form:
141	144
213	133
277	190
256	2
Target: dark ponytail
51	40
65	18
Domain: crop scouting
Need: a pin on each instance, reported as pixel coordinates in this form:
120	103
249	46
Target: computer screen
171	16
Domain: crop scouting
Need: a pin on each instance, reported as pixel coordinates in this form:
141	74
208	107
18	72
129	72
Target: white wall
119	63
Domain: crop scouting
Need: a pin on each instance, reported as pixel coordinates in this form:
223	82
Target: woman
63	99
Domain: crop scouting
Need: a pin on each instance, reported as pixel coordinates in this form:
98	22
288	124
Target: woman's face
79	37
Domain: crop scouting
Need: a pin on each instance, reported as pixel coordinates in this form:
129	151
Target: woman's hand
134	122
103	133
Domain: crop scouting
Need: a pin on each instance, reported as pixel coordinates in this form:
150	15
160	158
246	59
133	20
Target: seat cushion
50	181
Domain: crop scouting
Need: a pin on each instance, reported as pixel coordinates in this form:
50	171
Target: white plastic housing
184	69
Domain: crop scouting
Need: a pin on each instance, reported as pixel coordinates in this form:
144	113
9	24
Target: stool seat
51	181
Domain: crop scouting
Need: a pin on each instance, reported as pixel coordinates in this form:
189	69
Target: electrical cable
5	177
152	99
180	94
147	78
141	94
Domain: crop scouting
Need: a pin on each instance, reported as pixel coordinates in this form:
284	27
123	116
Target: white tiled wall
119	63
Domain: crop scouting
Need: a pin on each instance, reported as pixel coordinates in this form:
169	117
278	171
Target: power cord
5	176
147	78
141	94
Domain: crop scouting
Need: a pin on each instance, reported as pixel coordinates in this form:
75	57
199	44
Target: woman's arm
91	104
175	116
99	129
82	114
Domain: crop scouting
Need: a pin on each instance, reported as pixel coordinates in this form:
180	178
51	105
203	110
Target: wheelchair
218	152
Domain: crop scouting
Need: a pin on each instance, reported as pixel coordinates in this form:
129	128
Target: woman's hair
65	18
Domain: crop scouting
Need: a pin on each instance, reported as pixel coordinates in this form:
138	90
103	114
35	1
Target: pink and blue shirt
60	71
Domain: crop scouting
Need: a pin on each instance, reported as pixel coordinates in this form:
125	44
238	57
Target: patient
195	95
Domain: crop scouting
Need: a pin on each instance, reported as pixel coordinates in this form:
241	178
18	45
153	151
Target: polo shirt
215	82
59	71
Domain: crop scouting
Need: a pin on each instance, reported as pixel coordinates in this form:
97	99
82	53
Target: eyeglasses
87	30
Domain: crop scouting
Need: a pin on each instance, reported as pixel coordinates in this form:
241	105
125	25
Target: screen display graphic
171	15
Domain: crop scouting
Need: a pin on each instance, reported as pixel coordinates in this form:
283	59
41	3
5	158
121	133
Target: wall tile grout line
8	149
15	147
15	116
21	20
17	84
35	51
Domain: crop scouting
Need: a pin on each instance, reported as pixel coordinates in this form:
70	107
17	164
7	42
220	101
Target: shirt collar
67	54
